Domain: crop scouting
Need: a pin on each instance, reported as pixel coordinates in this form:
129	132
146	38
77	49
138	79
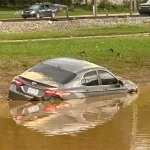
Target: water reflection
72	116
107	126
140	135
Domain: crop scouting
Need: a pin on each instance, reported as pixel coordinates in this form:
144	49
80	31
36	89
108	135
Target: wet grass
135	52
94	31
134	63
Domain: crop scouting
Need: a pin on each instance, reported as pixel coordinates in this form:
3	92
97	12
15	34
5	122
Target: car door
90	84
109	84
42	11
47	10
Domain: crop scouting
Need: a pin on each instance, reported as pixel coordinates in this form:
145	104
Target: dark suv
39	10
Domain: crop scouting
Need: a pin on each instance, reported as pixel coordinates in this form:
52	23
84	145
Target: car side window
107	78
90	79
47	7
42	7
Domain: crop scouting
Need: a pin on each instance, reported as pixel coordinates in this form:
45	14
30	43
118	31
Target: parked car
67	78
39	10
144	8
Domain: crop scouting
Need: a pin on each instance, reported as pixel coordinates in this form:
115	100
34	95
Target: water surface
101	127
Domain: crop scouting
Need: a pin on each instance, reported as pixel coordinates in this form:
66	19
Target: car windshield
54	73
34	7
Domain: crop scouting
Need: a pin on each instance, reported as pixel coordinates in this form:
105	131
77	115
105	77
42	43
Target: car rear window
56	73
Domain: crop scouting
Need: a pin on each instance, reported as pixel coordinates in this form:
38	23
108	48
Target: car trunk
42	81
145	4
35	86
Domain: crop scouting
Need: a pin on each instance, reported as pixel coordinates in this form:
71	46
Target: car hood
145	4
29	10
131	86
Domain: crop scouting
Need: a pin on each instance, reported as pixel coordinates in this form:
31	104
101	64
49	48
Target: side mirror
120	82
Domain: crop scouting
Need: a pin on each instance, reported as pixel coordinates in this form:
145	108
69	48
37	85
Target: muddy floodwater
120	122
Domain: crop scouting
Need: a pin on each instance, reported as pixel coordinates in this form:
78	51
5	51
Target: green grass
76	12
94	31
135	51
8	14
134	64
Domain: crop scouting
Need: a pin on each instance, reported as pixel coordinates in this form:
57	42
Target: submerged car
39	10
144	8
67	78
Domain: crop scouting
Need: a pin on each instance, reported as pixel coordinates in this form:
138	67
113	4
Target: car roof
70	64
48	3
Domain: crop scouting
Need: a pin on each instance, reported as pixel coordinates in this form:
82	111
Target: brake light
18	82
56	93
50	92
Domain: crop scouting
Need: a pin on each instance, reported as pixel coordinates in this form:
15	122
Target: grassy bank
8	14
95	31
134	63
